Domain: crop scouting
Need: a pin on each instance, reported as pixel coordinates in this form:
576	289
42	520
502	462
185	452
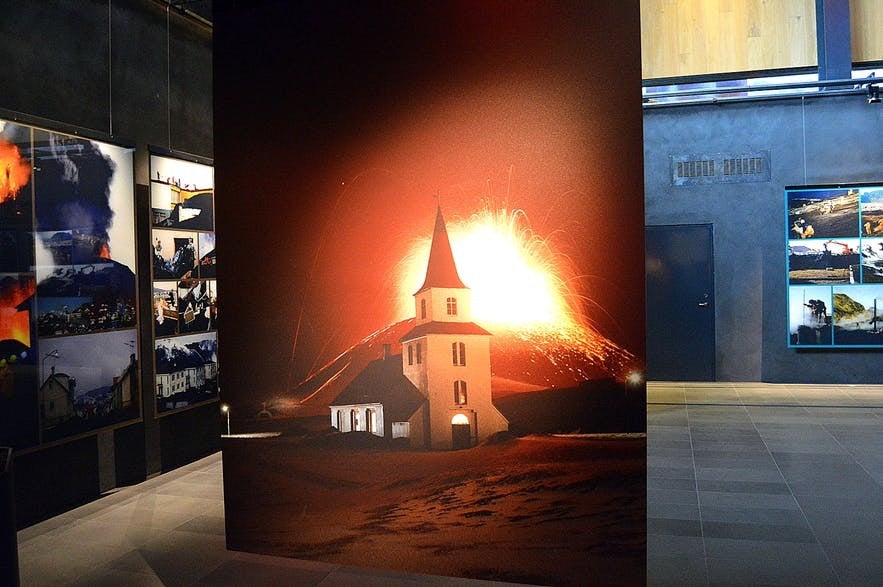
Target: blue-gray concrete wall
814	140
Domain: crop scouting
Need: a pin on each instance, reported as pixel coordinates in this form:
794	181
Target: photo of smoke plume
181	194
174	254
186	371
85	257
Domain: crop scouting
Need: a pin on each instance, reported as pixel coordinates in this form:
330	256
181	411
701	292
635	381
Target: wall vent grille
706	168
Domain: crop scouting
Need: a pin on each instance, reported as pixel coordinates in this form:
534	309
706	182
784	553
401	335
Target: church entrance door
461	436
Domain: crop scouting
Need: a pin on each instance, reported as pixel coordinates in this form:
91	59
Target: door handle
703	304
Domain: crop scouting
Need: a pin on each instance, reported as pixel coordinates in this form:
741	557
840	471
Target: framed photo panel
68	356
185	309
834	263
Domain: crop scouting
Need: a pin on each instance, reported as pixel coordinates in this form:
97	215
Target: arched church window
369	419
458	352
460	392
423	308
452	306
354	420
419	353
410	354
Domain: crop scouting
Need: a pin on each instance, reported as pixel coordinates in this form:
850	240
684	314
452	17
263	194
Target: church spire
441	271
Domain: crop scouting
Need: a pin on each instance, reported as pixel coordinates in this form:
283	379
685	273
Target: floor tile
676	571
747	483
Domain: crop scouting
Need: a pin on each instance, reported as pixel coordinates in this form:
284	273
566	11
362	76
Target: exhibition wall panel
92	88
366	150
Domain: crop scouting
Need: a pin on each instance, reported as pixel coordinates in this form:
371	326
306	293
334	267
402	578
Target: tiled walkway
753	484
747	484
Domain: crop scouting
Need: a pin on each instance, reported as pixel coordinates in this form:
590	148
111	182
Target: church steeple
441	271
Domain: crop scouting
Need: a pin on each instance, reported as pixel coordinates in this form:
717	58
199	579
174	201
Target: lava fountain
15	171
522	286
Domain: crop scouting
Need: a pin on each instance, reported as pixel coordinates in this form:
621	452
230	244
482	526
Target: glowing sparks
15	171
515	277
521	287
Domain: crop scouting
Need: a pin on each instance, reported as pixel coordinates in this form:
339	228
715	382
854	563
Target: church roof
443	328
382	382
441	271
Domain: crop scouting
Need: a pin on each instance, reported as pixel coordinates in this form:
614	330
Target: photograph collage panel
186	371
835	240
184	286
67	286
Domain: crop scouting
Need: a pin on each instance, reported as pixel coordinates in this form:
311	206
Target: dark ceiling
199	8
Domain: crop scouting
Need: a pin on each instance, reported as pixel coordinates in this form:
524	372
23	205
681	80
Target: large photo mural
437	360
69	358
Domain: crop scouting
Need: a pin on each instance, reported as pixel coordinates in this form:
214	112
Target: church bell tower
447	355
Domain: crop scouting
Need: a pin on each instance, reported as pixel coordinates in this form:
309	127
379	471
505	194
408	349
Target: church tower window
460	392
458	352
423	309
452	306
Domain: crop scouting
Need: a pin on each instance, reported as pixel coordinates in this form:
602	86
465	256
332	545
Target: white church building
437	393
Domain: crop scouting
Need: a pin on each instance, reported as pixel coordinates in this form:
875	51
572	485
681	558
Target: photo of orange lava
434	281
15	171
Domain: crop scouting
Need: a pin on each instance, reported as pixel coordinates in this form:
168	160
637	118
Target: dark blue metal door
680	302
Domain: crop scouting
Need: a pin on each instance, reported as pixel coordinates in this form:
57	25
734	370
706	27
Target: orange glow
15	171
520	284
104	251
15	324
516	278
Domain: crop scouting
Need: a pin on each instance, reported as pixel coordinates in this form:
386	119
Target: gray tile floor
747	484
754	484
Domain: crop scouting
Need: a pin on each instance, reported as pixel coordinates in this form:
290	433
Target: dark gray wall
130	72
815	140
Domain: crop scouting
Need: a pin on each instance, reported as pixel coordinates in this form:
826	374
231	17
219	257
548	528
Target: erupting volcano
524	291
15	171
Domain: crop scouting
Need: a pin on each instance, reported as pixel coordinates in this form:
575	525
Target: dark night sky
335	126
